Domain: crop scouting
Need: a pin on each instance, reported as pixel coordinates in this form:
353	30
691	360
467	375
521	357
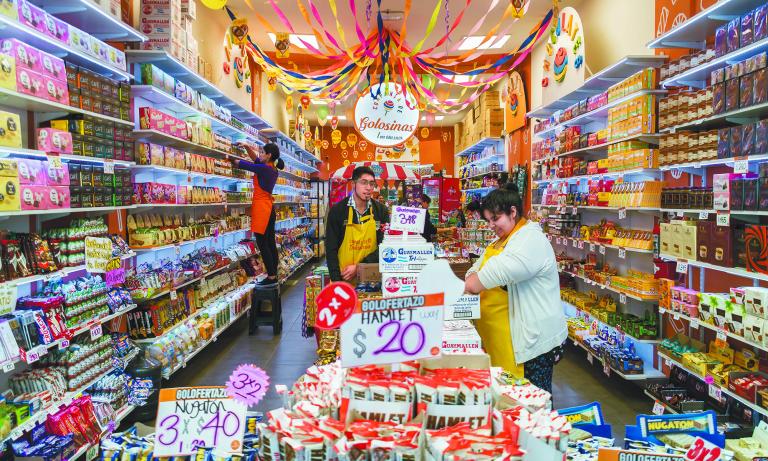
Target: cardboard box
398	284
368	272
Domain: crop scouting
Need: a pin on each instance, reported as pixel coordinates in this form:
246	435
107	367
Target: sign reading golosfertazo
388	119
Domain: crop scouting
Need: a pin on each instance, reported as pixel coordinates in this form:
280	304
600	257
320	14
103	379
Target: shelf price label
602	250
723	218
590	358
658	408
8	367
109	167
622	253
703	214
192	417
682	266
558	241
722	336
592	247
702	450
606	369
63	344
173	295
390	330
581	244
694	324
574	210
575	243
715	392
740	165
622	298
96	331
622	213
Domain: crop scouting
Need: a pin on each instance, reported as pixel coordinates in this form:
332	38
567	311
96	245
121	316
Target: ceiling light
476	42
295	39
439	117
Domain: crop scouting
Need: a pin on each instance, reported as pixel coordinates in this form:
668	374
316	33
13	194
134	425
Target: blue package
721	41
760	23
732	36
746	30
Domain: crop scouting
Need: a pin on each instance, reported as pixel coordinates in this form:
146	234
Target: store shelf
274	133
160	294
14	29
66	210
602	208
479	146
90	17
564	240
670	361
693	32
38	154
651	138
599	83
119	416
287	187
293	203
187	205
289	175
609	288
187	242
646	375
592	317
188	173
667	408
296	269
476	189
727	270
702	324
600	113
290	223
719	161
10	98
734	117
699	76
163	100
172	66
610	174
158	137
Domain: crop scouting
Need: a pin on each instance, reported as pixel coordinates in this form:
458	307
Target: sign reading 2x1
391	330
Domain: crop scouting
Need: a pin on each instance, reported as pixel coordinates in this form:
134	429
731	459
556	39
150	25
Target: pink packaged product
56	90
26	56
180	129
760	23
31	16
55	28
58	197
151	119
53	67
31	83
54	141
34	197
181	195
746	29
737	295
691	310
31	172
170	193
689	296
732	35
56	176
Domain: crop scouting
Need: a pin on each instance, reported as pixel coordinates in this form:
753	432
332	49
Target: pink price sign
115	277
248	384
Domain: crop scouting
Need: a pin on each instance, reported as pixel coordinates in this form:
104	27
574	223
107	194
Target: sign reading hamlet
386	115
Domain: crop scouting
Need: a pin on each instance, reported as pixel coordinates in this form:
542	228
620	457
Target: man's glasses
366	183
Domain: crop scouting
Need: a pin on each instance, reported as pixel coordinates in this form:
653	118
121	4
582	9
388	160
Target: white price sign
715	392
574	210
703	214
581	244
694	324
407	219
54	162
9	292
722	336
192	417
574	243
622	213
393	330
702	450
622	298
92	452
658	408
682	266
592	247
622	253
109	167
63	344
602	250
723	219
590	358
8	367
741	165
96	331
173	295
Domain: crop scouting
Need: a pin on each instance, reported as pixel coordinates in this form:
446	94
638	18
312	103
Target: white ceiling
417	21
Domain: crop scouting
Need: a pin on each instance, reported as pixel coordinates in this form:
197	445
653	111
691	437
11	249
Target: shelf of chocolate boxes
153	231
566	228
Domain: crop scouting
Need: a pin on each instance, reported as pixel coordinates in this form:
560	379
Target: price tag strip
391	330
192	417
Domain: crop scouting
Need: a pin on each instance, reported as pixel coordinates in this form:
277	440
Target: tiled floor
286	357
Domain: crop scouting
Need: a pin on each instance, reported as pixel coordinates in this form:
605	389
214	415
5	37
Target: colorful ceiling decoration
382	56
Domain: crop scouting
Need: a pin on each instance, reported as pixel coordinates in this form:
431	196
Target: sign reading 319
390	330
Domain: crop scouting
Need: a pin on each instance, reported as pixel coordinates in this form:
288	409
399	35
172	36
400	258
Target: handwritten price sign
393	330
192	417
98	252
248	384
407	219
335	304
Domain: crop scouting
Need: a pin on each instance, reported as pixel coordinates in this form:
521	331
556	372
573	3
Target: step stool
258	317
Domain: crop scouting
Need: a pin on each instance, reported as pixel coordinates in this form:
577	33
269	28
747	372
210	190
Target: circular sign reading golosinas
389	118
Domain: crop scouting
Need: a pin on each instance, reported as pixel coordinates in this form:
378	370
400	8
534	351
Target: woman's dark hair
274	154
502	200
473	206
426	198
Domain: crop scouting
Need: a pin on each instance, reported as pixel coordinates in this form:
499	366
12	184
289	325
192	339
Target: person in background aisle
472	210
266	162
522	323
429	229
354	228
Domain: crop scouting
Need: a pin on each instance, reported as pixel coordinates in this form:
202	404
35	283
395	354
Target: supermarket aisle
576	382
285	358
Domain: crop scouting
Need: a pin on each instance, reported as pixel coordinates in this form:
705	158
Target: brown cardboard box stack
168	25
484	119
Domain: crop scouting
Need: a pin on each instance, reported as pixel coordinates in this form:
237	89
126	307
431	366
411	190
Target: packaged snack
760	86
760	26
724	142
718	98
31	172
27	57
731	94
732	36
761	137
746	86
746	33
10	129
51	140
7	72
721	42
9	194
56	176
747	139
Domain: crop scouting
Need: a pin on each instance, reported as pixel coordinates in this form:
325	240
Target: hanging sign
393	330
563	68
514	103
192	417
407	219
115	272
98	252
282	44
388	119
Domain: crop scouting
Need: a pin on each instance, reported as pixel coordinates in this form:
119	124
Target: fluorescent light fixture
476	42
439	117
295	39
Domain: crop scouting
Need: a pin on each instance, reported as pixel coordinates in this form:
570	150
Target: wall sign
389	119
514	102
564	58
192	417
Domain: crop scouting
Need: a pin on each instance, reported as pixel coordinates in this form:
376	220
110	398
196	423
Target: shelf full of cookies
714	144
481	167
597	187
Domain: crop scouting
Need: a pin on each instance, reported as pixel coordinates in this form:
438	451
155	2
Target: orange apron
261	208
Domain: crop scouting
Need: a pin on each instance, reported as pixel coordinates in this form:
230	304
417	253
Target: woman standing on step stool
266	162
